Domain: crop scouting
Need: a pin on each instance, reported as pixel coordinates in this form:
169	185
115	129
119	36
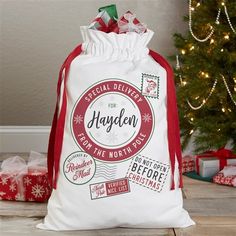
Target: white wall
36	36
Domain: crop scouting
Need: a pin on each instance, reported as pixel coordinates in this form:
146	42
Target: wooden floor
212	207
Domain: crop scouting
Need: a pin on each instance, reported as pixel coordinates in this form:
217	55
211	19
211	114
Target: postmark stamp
112	121
79	168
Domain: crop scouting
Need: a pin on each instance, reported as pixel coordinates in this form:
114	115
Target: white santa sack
114	152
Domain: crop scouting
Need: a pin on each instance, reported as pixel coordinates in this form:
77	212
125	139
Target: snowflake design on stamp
38	191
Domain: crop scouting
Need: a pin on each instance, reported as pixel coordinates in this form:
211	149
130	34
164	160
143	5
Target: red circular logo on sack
112	121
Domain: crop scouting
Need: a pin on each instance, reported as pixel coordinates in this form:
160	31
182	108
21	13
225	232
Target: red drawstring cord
172	119
57	130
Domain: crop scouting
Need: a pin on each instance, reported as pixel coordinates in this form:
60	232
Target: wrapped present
105	19
211	162
23	181
188	164
208	167
111	10
128	23
36	187
226	177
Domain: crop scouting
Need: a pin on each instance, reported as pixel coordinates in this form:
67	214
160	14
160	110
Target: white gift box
208	167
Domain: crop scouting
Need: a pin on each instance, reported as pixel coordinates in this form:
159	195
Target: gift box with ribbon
23	181
105	19
211	162
128	23
226	177
188	164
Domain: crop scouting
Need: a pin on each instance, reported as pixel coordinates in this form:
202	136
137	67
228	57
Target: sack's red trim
172	119
57	130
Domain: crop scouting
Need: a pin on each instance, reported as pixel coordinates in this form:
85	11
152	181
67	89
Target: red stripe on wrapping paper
172	119
57	130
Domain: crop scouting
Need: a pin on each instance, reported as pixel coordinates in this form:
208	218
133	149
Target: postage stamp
148	173
150	85
109	188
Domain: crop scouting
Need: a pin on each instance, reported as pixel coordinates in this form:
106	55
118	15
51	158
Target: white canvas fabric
115	168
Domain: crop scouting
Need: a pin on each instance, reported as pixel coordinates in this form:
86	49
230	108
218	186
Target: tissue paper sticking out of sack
107	21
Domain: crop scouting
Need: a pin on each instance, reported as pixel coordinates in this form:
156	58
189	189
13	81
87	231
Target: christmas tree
206	74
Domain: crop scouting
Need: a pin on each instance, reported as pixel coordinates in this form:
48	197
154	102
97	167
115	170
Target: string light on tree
177	68
191	131
228	90
191	48
211	28
228	19
217	22
204	100
226	37
206	94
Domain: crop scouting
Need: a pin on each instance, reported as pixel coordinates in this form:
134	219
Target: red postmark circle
86	115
